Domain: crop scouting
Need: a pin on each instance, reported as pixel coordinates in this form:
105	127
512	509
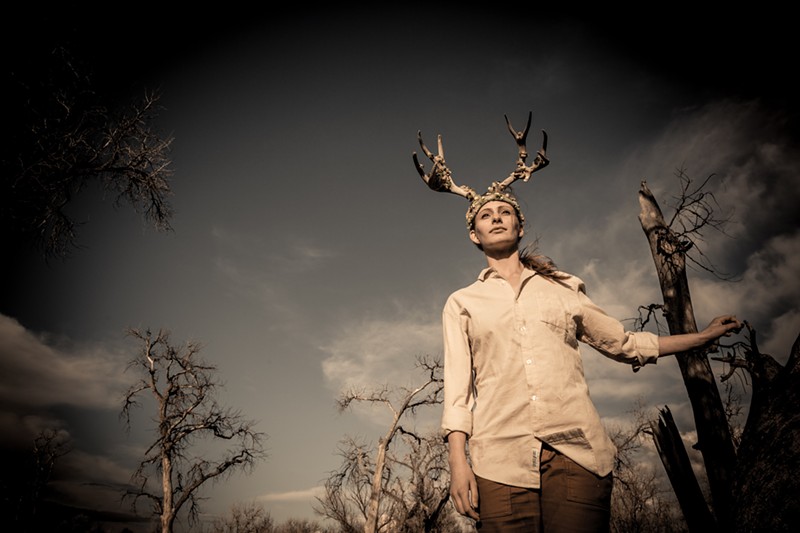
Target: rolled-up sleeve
608	336
458	387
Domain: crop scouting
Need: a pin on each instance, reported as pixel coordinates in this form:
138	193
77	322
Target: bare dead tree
65	138
741	480
420	489
25	478
302	525
244	519
48	446
669	250
395	485
415	487
765	480
187	414
681	474
696	211
252	518
641	501
347	490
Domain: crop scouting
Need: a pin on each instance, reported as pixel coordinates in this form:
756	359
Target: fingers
465	508
733	323
472	510
728	323
727	320
466	503
473	492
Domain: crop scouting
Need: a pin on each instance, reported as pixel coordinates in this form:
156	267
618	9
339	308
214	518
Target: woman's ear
473	237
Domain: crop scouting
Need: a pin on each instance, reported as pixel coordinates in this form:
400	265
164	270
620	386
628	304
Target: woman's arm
463	487
719	327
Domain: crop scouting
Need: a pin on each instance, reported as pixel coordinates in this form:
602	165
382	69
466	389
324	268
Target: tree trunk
767	480
167	511
371	525
681	476
714	439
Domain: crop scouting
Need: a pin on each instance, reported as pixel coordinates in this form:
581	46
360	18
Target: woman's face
496	227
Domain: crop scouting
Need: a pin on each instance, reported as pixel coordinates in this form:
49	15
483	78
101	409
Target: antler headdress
440	178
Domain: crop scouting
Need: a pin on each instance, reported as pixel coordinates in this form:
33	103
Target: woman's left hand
722	326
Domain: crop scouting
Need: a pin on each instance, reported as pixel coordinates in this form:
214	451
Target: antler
522	171
440	179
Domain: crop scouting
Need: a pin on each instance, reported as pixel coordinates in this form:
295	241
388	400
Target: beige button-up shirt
514	376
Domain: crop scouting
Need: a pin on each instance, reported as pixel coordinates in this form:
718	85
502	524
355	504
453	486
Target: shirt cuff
646	348
456	421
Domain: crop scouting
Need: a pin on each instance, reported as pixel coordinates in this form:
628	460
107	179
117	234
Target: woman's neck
508	266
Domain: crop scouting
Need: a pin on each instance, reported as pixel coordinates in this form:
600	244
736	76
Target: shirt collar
487	272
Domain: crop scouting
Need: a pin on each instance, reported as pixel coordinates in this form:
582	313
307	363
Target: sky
307	256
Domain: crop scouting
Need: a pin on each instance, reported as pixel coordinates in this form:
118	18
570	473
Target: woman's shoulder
459	300
467	289
569	281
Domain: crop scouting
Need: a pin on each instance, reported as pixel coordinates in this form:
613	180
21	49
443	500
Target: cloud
293	495
784	331
705	140
275	253
271	271
373	353
768	294
379	351
603	286
92	478
59	385
38	374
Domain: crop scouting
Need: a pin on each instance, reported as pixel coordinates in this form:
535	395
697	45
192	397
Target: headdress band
440	178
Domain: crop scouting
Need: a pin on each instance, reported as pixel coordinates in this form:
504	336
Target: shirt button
523	329
533	398
529	361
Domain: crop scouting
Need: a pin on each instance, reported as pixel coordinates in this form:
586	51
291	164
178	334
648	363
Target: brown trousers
571	499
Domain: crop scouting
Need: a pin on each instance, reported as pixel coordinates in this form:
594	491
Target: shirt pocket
557	313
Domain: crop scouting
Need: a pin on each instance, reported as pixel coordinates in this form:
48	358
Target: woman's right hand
464	490
463	486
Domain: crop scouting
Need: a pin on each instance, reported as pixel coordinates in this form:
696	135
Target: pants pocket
494	499
588	488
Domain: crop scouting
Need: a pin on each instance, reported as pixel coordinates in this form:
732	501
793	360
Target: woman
527	450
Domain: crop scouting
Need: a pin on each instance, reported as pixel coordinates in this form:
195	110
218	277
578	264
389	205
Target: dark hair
539	263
